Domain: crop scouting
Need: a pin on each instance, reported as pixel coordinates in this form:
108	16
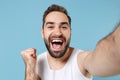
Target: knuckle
31	49
22	52
28	52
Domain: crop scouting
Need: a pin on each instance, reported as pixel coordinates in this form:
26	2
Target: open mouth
57	44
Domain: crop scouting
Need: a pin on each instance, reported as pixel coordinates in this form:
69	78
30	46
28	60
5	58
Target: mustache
55	36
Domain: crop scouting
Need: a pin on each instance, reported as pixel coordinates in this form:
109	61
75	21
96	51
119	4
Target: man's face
56	33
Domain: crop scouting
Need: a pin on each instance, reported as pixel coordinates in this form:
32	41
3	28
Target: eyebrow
61	23
49	23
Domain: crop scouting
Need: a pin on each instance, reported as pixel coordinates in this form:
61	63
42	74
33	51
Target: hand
29	56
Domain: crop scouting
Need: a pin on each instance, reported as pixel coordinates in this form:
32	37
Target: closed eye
64	27
50	27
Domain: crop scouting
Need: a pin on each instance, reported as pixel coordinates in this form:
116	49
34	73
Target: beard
56	54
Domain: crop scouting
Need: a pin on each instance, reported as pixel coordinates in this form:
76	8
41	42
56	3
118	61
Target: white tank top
69	72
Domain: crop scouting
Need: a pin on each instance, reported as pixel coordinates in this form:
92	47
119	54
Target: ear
42	33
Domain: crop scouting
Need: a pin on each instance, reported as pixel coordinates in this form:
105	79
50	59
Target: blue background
21	21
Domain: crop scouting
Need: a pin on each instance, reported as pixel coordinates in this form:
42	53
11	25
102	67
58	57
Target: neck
58	63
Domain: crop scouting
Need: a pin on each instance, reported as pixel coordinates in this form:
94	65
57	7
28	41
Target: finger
31	49
34	56
32	52
29	52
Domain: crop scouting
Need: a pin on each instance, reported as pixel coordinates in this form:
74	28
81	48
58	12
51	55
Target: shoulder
77	51
41	60
41	63
41	56
83	54
80	59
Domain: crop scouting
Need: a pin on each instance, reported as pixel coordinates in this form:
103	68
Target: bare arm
105	59
30	73
29	57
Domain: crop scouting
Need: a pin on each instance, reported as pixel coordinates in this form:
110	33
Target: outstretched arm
29	57
105	59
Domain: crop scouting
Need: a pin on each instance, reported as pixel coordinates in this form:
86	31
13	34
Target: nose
58	31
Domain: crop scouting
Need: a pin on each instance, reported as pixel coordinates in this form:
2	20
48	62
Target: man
62	62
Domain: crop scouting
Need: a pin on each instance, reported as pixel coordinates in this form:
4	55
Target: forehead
56	17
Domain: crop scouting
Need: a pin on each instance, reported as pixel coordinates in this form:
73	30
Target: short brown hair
58	8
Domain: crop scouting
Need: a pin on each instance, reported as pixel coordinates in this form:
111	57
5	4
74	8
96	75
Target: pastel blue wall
21	20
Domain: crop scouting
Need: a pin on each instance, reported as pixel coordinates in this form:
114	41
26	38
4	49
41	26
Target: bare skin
103	61
29	57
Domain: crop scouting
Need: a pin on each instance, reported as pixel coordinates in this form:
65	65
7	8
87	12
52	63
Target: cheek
67	34
47	35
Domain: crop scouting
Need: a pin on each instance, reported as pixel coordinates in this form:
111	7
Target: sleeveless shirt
70	71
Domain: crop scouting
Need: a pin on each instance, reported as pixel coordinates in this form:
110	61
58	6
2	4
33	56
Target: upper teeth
56	40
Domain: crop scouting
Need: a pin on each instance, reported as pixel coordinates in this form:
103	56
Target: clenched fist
29	56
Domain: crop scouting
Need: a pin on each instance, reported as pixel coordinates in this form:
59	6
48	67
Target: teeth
56	40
